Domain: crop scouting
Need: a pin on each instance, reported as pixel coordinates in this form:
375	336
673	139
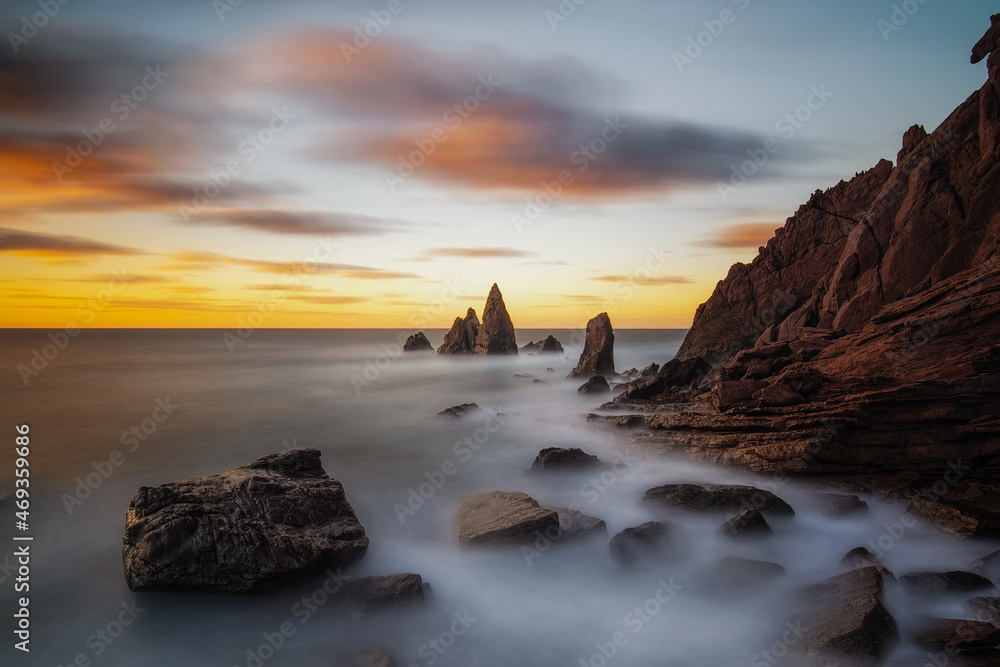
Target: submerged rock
739	575
462	337
556	458
945	583
376	657
417	343
459	411
371	594
837	504
598	356
279	517
640	543
717	498
574	523
595	385
958	636
496	335
750	523
498	517
985	609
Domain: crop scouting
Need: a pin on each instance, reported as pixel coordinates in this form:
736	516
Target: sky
381	163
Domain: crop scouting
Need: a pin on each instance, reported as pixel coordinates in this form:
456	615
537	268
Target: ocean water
372	415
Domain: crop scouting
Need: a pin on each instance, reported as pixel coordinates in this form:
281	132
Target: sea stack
496	335
417	343
462	337
598	356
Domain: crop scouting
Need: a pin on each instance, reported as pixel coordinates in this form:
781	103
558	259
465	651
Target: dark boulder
595	385
417	343
739	575
958	636
459	411
645	542
556	458
837	504
717	498
750	523
277	518
371	594
935	584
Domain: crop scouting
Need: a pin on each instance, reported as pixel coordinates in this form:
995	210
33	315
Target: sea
114	410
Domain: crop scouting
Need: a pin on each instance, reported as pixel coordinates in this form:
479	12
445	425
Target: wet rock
717	498
645	542
846	620
279	517
459	411
598	356
573	524
496	335
945	583
498	517
837	505
957	635
556	458
750	523
417	343
960	519
595	385
371	594
985	609
462	337
739	575
376	657
859	558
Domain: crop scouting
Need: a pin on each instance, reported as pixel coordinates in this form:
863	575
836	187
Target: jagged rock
985	609
598	356
886	289
498	517
459	411
462	337
990	41
739	575
717	498
945	583
640	543
556	458
777	396
496	335
278	517
859	557
573	523
958	636
595	385
846	622
376	657
836	504
750	523
548	346
417	343
370	594
650	371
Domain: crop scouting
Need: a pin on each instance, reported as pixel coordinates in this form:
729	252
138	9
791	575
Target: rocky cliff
496	335
867	332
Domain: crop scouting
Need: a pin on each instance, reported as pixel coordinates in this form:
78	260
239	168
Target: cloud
58	246
313	223
638	280
480	252
200	260
503	124
744	235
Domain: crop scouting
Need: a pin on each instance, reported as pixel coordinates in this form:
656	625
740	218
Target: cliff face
888	233
866	335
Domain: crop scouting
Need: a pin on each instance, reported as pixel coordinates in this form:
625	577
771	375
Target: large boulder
558	458
277	518
717	498
598	356
845	621
498	517
461	339
496	335
646	542
936	584
417	343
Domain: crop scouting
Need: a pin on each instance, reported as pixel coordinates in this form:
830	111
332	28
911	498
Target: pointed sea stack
462	337
496	335
598	356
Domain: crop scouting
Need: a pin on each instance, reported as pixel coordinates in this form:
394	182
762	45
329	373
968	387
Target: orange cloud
746	235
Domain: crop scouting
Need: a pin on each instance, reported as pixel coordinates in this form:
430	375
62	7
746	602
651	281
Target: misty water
282	389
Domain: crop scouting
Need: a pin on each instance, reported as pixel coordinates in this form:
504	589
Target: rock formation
496	335
556	458
491	518
595	385
462	337
641	543
598	356
865	332
548	346
277	518
417	343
